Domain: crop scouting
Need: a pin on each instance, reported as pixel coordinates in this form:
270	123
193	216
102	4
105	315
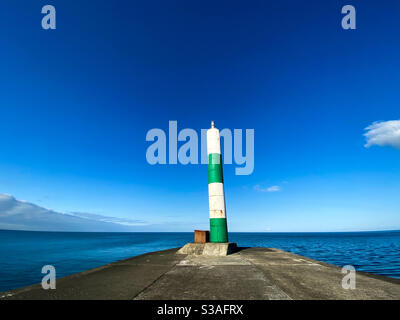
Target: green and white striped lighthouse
216	196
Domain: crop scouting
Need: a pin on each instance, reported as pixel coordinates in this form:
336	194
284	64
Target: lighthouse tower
216	196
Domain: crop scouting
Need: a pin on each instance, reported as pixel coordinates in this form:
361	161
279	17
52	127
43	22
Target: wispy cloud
98	217
268	189
383	133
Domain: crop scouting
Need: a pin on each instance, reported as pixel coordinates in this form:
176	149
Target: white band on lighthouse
213	141
216	200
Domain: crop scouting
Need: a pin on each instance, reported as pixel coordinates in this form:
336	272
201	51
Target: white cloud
274	189
383	133
269	189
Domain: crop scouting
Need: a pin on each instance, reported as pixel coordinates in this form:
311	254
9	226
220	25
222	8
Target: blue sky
76	104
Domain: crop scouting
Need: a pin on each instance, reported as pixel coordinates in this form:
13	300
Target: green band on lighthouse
218	230
215	168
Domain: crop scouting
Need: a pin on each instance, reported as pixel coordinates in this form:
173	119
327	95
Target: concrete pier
248	274
208	248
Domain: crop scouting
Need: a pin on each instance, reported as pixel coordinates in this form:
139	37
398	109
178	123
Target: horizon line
363	231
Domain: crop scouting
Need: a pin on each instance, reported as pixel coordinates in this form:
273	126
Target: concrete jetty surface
250	273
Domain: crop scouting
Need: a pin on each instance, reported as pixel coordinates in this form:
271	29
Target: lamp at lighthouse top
213	140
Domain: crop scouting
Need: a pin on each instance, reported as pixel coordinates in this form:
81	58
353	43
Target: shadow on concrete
238	249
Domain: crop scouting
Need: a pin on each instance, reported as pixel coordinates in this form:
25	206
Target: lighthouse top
212	124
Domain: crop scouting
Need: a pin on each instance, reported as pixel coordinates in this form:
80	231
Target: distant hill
21	215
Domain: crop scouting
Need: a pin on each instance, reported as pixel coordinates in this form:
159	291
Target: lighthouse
216	244
216	195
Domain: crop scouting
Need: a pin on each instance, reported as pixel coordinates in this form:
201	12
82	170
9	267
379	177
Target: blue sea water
24	253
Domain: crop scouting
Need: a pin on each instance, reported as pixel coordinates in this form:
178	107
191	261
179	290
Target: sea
24	253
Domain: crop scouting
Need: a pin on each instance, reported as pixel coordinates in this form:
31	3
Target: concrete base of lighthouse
208	248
